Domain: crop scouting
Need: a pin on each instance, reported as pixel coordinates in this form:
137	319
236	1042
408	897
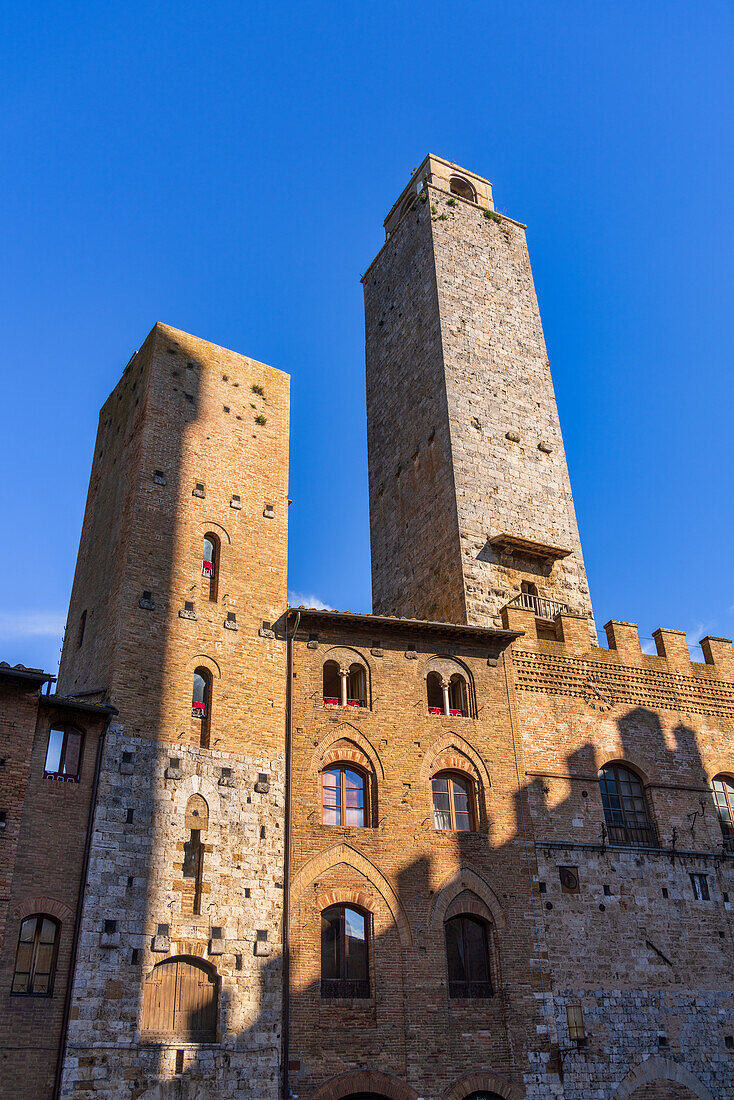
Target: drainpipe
287	851
78	918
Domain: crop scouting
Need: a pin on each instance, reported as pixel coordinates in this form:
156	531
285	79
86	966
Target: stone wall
460	405
135	878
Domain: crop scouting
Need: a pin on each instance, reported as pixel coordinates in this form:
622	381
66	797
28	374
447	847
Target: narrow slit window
201	703
210	567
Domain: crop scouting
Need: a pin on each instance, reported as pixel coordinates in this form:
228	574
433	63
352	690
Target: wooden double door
180	1001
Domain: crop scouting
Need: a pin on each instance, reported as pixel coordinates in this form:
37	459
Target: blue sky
226	168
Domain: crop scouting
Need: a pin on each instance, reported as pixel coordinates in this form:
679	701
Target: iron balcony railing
541	605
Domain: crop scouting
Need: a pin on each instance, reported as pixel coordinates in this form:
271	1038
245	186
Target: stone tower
180	576
470	499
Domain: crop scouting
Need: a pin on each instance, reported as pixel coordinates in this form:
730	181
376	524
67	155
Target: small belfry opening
461	187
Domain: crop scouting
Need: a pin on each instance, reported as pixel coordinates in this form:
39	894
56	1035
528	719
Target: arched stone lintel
345	731
446	667
345	656
657	1069
365	1080
453	884
480	1081
203	659
345	896
719	765
216	529
344	853
453	741
42	903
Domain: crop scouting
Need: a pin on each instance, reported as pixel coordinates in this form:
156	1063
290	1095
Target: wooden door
180	1002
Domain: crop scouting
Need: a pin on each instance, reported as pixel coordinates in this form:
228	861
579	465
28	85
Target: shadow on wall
344	1025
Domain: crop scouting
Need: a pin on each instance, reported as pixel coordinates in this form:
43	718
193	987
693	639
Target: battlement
623	644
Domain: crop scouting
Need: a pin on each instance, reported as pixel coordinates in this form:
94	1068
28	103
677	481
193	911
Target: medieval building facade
452	850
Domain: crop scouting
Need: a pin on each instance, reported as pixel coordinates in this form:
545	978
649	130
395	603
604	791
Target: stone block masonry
464	440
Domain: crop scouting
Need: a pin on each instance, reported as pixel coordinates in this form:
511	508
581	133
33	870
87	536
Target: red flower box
355	703
331	702
198	710
435	710
456	713
207	569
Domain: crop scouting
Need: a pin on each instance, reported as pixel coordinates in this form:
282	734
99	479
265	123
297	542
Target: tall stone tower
470	499
180	576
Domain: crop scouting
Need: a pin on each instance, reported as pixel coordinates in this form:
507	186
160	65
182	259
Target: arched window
452	802
458	705
201	702
462	188
722	788
210	566
332	685
180	1001
344	953
435	693
343	792
357	686
35	959
467	957
63	754
625	807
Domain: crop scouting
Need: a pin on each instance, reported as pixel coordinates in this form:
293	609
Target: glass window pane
48	931
440	784
331	817
463	822
455	951
355	817
41	983
353	780
53	753
475	938
354	798
28	930
355	935
71	754
332	796
20	982
440	801
330	944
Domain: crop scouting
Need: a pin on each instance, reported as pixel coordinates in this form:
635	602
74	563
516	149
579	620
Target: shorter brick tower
470	498
181	573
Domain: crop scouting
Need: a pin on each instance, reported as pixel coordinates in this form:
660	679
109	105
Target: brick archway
367	1081
652	1080
479	1081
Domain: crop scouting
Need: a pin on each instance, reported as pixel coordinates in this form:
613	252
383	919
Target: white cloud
295	599
30	624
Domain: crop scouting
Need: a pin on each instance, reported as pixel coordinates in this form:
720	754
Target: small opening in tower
462	188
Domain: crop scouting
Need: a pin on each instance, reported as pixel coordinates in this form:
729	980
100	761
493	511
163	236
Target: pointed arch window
467	957
722	788
453	802
35	958
625	807
344	952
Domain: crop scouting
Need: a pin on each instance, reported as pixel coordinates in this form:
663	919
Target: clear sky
226	168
